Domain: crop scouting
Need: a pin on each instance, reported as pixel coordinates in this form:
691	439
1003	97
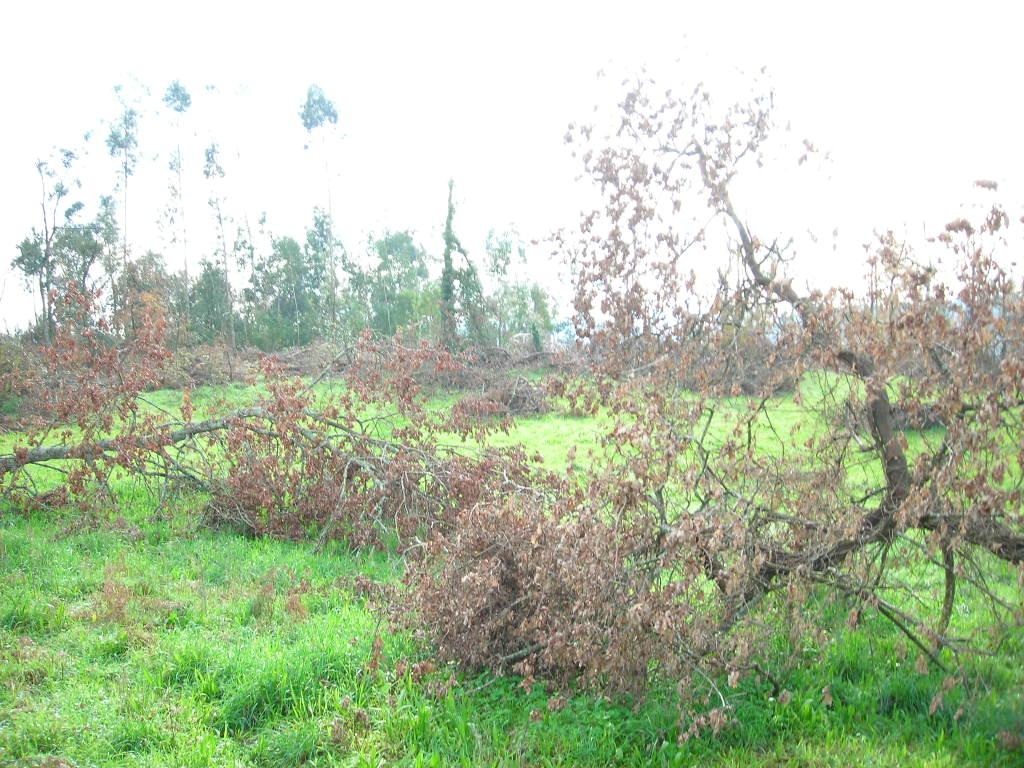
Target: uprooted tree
706	530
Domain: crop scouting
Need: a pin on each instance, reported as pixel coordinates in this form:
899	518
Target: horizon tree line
293	290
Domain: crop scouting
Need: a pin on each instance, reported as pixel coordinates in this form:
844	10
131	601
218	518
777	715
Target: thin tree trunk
184	241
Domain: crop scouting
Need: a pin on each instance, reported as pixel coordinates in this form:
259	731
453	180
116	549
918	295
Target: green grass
177	646
151	641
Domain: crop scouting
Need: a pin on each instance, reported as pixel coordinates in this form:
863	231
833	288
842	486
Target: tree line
243	284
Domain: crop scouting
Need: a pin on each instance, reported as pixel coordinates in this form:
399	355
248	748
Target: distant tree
318	114
108	233
449	320
34	261
283	297
146	284
317	109
501	248
178	100
209	302
123	144
462	298
36	257
396	281
354	300
78	248
214	173
322	248
178	302
522	308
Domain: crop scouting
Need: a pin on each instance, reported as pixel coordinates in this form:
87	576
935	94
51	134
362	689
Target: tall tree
322	248
462	301
108	233
178	100
36	254
123	144
396	281
318	114
214	173
449	323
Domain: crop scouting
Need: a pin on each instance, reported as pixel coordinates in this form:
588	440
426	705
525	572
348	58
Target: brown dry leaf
556	704
295	607
339	734
1009	740
921	665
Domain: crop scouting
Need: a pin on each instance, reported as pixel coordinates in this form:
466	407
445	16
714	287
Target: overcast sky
912	101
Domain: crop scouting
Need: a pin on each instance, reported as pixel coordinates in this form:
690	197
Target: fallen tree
710	529
356	464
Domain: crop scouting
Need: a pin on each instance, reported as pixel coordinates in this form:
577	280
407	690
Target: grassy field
151	641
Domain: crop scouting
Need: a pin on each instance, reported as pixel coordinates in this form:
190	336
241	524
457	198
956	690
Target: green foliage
123	139
317	110
284	297
31	258
500	249
523	309
293	295
212	169
396	282
177	97
321	249
297	289
463	315
209	302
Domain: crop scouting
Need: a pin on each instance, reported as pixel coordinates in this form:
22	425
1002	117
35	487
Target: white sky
913	101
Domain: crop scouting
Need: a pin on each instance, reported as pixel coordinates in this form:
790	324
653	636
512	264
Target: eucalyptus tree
321	249
396	281
354	301
282	297
36	257
318	114
501	247
178	100
123	145
108	232
209	302
214	173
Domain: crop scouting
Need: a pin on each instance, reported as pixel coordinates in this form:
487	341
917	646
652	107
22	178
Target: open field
148	640
618	387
